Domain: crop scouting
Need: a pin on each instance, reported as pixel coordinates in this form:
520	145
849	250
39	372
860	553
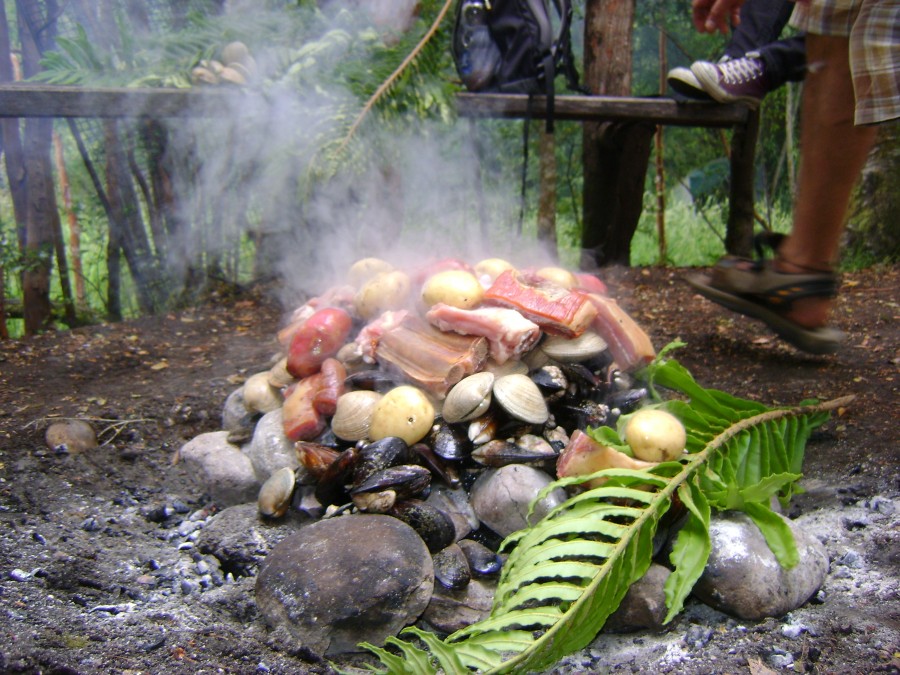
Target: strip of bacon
509	334
555	309
629	345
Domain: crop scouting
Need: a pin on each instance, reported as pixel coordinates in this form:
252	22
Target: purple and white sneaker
734	80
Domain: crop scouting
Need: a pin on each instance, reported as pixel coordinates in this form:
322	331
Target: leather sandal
756	289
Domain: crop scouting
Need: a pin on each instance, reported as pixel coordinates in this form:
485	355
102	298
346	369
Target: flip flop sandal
755	289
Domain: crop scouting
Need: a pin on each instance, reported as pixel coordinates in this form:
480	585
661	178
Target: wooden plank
30	100
605	108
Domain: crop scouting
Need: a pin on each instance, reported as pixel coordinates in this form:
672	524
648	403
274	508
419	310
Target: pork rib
509	334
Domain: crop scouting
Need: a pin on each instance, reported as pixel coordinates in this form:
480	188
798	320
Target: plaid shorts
874	30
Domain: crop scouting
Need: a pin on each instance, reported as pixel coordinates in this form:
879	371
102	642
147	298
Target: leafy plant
565	575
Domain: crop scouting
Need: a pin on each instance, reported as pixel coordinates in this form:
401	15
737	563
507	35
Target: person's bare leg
833	152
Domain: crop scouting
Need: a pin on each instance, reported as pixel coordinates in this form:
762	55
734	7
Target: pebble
19	575
70	437
269	449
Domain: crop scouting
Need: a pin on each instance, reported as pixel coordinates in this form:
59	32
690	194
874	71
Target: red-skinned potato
320	337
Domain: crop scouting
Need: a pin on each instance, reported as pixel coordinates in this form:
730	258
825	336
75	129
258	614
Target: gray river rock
221	468
500	497
346	580
743	578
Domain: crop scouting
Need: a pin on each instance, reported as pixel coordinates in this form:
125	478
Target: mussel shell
449	442
499	453
275	494
469	398
407	480
582	414
433	525
331	487
315	457
447	471
550	379
521	398
373	379
482	560
381	454
451	569
628	400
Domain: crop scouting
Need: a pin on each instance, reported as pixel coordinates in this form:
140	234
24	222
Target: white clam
469	398
570	350
521	398
260	396
353	415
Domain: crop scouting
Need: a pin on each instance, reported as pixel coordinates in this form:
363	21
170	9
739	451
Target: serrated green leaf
690	551
776	531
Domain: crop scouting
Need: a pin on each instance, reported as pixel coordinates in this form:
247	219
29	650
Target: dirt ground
83	547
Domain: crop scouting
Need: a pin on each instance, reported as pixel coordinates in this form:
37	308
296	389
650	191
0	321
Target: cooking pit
110	542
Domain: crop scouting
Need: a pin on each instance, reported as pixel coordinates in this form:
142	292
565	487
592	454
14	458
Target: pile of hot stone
407	422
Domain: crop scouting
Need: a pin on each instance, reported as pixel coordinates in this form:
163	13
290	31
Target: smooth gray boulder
346	580
500	497
744	579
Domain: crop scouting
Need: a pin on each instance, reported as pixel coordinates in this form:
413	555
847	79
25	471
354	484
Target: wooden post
741	214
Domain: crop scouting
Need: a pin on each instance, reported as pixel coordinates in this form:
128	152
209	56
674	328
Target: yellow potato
655	435
404	412
365	269
388	290
559	276
452	287
490	268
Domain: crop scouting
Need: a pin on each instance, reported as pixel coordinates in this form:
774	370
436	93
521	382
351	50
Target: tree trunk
72	219
12	140
41	214
615	154
126	217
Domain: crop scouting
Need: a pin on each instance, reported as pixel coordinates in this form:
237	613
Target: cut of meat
509	334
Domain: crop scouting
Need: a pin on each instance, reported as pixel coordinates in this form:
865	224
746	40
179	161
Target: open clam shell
469	398
276	493
519	396
571	350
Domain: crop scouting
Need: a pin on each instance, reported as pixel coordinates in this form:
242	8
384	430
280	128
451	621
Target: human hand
716	15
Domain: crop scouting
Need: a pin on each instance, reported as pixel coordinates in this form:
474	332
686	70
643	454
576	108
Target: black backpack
512	46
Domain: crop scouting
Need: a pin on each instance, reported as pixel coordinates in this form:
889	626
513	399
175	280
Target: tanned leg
832	154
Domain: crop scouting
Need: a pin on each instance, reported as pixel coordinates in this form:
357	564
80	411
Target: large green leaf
566	574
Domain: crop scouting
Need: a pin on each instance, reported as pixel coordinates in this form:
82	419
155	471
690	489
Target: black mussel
447	471
315	457
582	378
380	454
331	486
628	400
407	480
551	380
375	380
482	560
449	442
581	414
533	450
433	525
451	569
329	440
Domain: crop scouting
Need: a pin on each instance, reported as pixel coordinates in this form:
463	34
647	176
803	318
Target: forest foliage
344	115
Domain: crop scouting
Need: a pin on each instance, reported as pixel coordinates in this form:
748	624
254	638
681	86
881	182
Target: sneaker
735	80
684	82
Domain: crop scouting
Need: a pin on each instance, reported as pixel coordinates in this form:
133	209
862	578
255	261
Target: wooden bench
653	111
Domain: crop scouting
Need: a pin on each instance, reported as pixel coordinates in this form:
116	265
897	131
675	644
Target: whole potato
366	268
404	412
655	435
489	269
559	276
385	291
457	288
